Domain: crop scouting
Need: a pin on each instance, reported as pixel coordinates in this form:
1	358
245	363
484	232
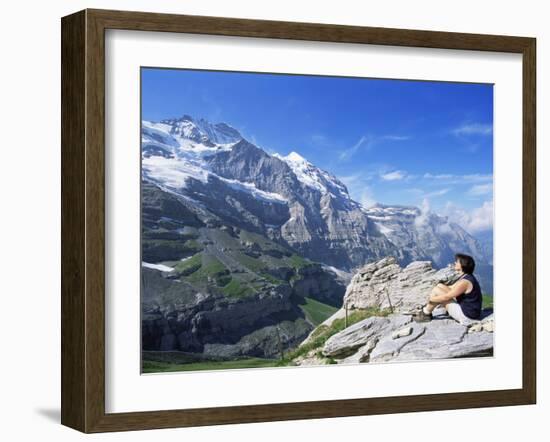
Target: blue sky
422	143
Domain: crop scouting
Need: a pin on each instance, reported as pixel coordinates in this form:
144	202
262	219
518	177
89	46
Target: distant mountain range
290	200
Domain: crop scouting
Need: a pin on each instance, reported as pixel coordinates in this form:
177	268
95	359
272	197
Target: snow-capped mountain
426	234
431	234
201	131
313	177
288	199
175	153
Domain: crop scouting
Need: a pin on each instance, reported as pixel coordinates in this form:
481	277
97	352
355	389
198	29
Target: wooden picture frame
83	220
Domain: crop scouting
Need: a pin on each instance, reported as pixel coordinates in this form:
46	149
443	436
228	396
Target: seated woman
462	300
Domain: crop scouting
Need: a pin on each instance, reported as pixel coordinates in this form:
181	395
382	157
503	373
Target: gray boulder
375	340
384	284
349	340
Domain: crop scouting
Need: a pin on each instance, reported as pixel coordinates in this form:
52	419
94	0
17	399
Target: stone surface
489	326
478	326
372	340
384	284
388	348
402	333
362	355
443	339
311	358
349	340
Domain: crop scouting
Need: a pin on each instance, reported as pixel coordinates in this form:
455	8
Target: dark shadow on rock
441	317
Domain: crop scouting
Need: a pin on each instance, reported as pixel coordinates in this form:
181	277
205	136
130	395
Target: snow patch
172	172
383	229
160	267
380	218
342	274
312	176
253	190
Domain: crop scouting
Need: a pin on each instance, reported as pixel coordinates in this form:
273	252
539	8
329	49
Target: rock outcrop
384	284
397	338
217	326
392	337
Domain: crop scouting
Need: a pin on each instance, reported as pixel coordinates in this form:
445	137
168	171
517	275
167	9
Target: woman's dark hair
467	262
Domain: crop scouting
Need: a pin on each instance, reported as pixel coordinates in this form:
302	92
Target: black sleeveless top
471	302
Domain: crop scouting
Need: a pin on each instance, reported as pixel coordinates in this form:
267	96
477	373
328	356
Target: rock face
217	326
396	337
349	340
385	284
321	220
424	235
215	291
377	339
314	282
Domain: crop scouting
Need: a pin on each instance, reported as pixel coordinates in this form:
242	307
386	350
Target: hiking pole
346	318
389	300
280	344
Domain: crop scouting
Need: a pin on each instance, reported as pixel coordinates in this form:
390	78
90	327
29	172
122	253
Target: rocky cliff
390	335
385	284
216	291
397	338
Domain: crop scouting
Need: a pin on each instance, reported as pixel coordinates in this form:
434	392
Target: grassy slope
202	266
322	333
487	301
203	270
236	289
157	366
316	312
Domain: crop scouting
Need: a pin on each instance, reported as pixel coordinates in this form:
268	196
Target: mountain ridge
304	187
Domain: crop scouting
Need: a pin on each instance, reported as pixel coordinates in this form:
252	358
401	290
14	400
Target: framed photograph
268	220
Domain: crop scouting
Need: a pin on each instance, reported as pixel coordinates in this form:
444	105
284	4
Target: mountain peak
314	177
202	131
296	158
172	121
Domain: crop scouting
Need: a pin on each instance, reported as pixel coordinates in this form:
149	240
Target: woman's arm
457	289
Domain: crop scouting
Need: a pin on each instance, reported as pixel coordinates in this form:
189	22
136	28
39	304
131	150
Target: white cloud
473	129
459	179
445	229
319	139
356	183
367	142
367	198
394	176
438	192
476	220
424	194
441	176
348	153
351	180
395	137
422	219
481	189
